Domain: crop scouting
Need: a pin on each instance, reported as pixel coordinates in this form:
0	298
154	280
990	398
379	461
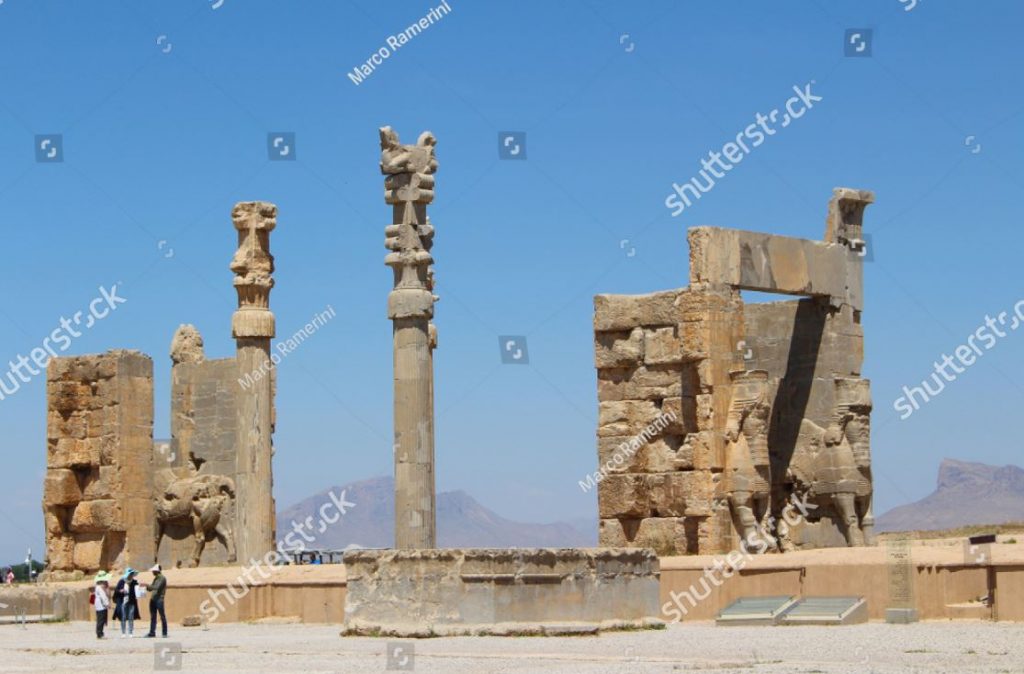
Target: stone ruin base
507	592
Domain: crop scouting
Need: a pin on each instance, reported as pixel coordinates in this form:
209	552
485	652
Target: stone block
704	450
413	593
636	455
89	552
60	552
101	483
96	516
60	487
625	417
625	312
662	346
641	383
624	495
71	452
619	349
54	518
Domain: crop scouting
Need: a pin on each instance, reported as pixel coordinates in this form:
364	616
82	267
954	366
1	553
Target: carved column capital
253	266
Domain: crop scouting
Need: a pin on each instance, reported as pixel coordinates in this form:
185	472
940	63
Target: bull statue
833	464
201	501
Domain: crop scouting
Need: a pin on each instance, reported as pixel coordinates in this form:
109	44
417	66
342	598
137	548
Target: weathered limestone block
704	450
661	346
96	516
91	552
54	520
517	591
74	426
623	495
625	417
665	535
625	312
71	453
671	494
619	349
642	383
705	412
677	411
60	552
102	483
60	487
631	454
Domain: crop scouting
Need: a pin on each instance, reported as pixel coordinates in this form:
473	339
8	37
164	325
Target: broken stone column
252	326
409	187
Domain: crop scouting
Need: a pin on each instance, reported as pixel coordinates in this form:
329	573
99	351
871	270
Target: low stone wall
944	587
516	591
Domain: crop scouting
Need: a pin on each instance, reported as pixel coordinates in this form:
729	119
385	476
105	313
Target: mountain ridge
461	521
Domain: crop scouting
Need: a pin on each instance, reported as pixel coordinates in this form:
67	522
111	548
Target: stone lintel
775	264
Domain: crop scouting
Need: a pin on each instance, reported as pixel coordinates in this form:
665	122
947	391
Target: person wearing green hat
101	601
126	602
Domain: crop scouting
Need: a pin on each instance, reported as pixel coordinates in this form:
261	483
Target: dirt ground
858	649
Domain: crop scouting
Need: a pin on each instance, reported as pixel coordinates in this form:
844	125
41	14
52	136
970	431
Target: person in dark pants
101	600
157	590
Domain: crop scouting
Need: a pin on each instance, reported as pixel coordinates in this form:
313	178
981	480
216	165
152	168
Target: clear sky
165	110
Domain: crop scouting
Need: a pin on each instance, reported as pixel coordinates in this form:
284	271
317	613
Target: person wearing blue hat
126	602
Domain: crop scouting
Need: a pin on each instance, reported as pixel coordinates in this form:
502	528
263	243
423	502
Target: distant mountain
461	521
967	493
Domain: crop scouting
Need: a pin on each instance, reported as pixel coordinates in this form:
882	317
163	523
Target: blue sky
618	100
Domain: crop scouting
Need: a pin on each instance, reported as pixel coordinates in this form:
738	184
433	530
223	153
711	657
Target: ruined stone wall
203	426
767	400
97	495
656	358
204	413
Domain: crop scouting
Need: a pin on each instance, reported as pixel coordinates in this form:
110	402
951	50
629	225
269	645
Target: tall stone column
252	326
409	187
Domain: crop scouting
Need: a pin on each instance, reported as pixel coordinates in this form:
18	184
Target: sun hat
129	572
156	569
102	577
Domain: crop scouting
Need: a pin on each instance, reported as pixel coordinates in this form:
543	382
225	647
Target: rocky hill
966	494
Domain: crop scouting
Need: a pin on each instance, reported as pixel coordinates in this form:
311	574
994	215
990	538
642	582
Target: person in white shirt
102	601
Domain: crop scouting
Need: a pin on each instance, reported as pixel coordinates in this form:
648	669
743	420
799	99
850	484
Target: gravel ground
698	647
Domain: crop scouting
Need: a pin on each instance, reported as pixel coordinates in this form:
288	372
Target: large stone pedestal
423	593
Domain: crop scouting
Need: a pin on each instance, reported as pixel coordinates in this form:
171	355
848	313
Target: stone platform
447	592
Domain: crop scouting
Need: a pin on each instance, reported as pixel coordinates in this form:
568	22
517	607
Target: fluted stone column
409	187
252	326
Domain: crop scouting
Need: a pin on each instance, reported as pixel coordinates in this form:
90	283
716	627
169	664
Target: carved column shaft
408	189
252	326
